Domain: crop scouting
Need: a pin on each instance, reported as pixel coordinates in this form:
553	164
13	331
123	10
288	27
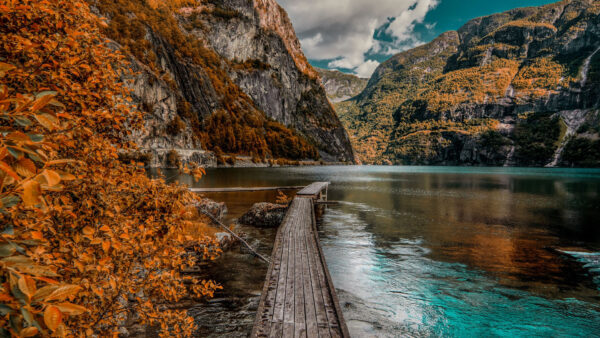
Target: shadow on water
435	251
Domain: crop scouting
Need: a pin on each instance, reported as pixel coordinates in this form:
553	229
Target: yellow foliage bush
85	240
539	77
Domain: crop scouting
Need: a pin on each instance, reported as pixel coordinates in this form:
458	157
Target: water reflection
425	251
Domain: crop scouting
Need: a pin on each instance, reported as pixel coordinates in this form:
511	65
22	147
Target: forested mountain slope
515	88
224	76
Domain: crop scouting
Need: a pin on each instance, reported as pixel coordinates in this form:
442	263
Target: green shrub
582	152
536	138
493	141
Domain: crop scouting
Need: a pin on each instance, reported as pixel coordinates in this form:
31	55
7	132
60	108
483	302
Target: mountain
221	77
341	86
515	88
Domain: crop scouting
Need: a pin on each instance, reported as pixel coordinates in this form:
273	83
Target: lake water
435	251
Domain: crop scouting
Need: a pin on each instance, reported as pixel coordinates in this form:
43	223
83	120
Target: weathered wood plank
298	298
276	312
325	306
288	306
299	319
313	189
309	298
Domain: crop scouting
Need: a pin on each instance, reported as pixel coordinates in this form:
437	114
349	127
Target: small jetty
298	298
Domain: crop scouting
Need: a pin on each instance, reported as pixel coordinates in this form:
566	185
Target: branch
216	221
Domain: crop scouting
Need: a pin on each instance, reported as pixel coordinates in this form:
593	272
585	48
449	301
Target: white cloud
312	42
366	69
402	28
430	26
343	30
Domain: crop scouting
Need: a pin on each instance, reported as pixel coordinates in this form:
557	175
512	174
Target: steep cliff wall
226	76
268	65
515	88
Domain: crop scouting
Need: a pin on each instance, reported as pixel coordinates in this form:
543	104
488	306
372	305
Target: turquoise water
456	252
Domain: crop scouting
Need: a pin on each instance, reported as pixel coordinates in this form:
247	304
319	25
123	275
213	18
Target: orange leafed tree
86	241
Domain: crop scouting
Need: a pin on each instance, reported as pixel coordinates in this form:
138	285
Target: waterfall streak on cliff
586	67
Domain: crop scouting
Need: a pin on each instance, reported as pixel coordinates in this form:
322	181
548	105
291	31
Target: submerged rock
267	215
216	209
225	240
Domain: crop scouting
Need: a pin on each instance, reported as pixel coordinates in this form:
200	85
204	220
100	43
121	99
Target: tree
85	239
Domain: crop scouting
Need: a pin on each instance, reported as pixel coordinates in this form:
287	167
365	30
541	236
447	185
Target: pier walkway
298	298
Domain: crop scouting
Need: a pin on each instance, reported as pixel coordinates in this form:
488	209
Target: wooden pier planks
313	189
298	298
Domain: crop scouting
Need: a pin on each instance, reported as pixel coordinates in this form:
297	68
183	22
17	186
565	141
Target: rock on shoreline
265	215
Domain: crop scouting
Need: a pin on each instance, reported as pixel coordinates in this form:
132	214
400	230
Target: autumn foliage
86	240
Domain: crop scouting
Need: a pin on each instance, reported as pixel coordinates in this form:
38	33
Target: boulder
225	240
216	209
266	215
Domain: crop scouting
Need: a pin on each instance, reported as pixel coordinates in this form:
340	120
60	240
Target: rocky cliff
223	77
515	88
341	86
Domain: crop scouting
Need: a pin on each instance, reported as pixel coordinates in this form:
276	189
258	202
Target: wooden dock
299	299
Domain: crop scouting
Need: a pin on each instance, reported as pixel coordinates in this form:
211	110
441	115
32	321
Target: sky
355	36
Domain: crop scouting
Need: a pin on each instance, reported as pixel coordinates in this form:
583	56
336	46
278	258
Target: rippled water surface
443	251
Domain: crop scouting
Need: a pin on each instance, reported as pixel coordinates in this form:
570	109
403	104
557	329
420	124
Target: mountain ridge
341	86
469	96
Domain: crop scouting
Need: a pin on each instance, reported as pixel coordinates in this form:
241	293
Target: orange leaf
63	292
9	171
52	177
52	317
67	176
42	100
25	167
45	120
88	231
106	246
29	331
5	67
37	235
44	292
31	193
27	286
71	309
18	136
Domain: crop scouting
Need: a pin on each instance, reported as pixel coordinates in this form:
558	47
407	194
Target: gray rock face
340	86
265	215
280	81
216	209
257	50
